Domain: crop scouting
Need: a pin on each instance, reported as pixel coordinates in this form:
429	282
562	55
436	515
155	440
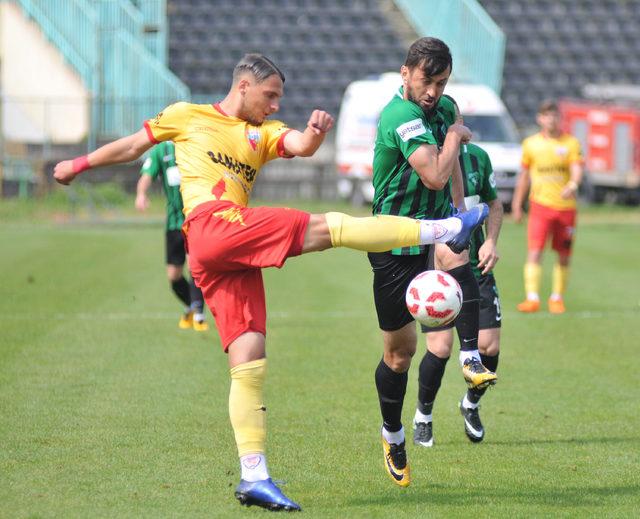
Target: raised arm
306	143
435	168
123	150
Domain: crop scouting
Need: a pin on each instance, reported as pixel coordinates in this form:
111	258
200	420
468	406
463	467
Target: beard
427	111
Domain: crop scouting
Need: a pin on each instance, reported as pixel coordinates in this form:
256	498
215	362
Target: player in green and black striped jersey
479	186
161	163
416	174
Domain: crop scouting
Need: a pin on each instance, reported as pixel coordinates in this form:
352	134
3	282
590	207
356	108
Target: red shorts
545	221
228	244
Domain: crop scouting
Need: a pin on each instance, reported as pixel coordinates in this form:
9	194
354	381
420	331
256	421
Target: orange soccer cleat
556	306
529	306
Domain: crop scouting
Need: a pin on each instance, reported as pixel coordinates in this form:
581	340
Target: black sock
468	320
491	363
391	389
197	301
429	379
180	288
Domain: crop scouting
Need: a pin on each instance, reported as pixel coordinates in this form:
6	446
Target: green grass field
109	410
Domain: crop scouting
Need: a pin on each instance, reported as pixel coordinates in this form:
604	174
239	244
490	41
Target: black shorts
174	244
391	277
490	314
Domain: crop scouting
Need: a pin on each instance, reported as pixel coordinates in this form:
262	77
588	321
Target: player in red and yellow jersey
552	166
220	149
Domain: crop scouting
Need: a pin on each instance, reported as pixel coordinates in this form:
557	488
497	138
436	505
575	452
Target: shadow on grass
572	441
545	496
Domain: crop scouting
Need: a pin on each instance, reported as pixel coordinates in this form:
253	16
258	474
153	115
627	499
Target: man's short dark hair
258	65
431	55
548	105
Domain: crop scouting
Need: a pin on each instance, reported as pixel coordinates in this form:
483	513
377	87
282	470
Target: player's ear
243	85
404	72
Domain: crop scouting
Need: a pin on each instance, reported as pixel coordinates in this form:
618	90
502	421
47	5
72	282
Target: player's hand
320	122
516	214
463	133
142	202
487	256
569	190
63	172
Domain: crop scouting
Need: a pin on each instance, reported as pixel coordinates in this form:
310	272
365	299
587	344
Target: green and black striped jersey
161	162
478	180
403	127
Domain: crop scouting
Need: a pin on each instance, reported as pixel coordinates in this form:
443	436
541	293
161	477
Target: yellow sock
374	233
559	279
532	275
246	408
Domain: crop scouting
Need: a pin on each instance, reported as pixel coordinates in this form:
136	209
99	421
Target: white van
483	111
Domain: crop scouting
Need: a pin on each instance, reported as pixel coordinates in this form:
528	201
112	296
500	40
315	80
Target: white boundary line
285	314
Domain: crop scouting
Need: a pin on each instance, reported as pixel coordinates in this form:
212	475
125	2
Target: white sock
421	417
556	297
533	296
470	354
439	231
254	467
393	437
468	404
198	317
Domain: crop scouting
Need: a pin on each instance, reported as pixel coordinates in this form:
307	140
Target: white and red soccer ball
434	298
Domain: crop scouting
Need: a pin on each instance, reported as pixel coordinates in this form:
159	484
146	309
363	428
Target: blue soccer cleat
471	220
266	494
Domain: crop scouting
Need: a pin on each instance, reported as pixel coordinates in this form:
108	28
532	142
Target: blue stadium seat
585	41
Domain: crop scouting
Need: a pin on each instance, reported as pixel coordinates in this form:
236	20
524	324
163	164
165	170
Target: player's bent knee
440	343
398	361
317	237
489	342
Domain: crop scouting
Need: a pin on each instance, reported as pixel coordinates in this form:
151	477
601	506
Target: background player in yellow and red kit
220	149
552	165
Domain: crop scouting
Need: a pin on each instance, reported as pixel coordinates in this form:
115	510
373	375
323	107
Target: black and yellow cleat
186	321
395	462
476	375
200	326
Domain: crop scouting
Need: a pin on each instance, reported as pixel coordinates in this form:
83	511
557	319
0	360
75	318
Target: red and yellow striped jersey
548	160
219	155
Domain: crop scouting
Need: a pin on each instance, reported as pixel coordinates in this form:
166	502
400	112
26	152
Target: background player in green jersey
479	186
161	163
416	174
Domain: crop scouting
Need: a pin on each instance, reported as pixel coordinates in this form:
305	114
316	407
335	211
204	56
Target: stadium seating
321	46
555	47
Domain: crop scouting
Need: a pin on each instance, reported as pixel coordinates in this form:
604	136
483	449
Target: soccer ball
434	298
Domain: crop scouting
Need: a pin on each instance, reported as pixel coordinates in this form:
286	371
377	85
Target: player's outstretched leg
264	493
470	219
382	233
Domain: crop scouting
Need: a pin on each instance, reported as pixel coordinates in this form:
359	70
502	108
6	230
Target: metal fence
476	42
119	54
29	149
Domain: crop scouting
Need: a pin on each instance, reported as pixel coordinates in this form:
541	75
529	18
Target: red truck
610	138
